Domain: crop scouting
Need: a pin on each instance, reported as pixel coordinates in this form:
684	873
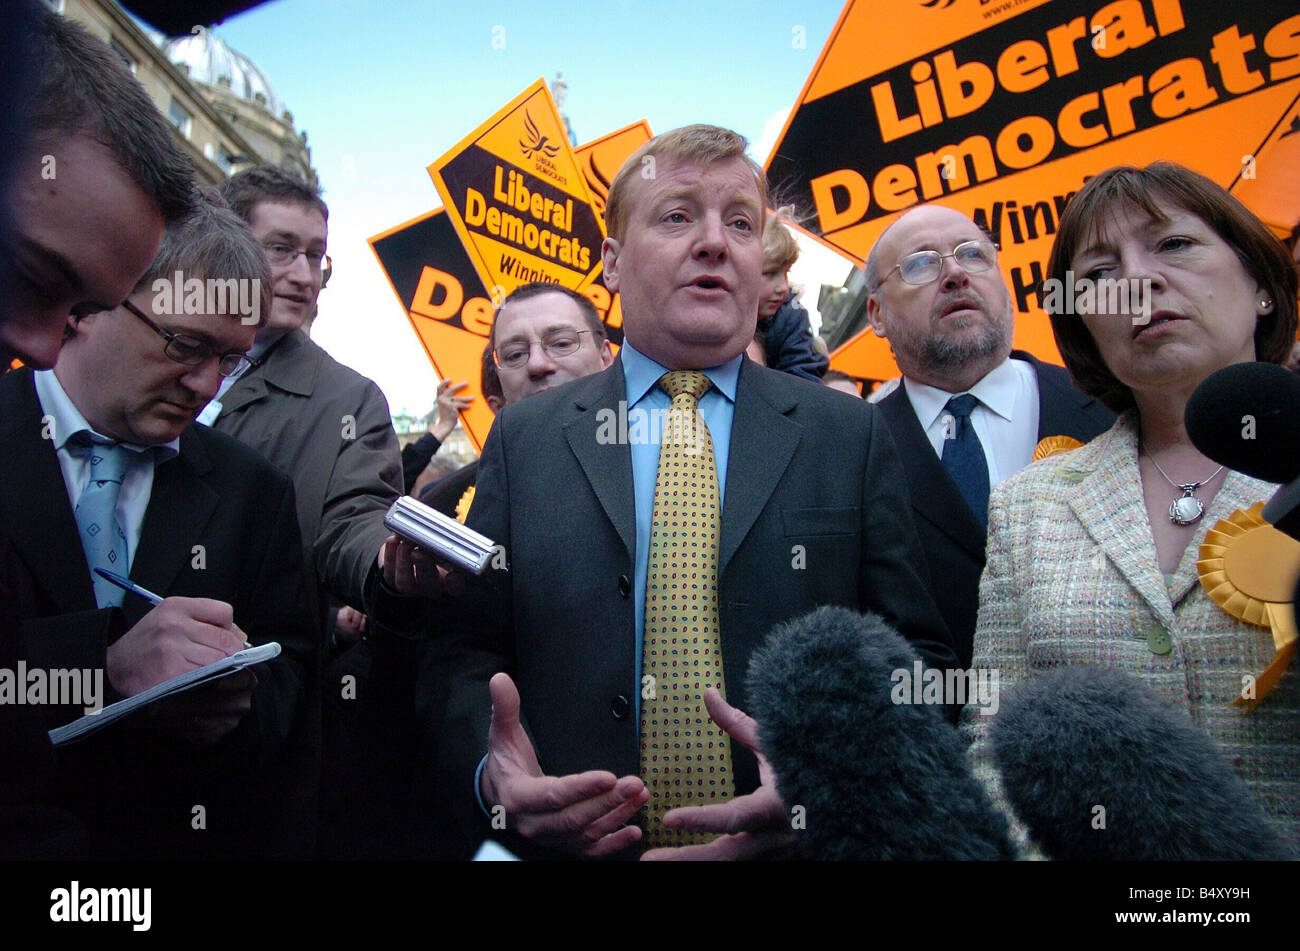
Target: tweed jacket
1072	577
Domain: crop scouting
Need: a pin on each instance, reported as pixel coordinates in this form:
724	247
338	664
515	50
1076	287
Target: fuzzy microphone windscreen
867	777
1099	767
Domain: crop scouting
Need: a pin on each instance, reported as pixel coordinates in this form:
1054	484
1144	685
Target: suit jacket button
1159	641
620	707
624	586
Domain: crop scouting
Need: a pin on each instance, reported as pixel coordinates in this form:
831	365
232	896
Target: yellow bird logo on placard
536	141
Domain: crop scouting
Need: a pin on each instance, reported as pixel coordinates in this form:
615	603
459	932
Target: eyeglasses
515	353
924	267
191	351
280	254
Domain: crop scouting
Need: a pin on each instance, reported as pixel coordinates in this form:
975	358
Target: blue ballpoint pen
126	584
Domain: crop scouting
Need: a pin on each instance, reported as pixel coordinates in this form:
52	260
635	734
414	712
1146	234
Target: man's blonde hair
702	144
780	250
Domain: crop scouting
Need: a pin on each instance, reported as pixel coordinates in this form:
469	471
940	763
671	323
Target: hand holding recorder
423	536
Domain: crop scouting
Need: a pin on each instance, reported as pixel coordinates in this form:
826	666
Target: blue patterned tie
963	456
101	535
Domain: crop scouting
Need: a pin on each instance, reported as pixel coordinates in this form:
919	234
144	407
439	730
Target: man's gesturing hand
752	826
583	813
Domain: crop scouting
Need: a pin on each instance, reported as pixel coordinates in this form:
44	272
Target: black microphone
867	772
1247	417
1100	767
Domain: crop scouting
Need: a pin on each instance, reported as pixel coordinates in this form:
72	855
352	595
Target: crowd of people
656	512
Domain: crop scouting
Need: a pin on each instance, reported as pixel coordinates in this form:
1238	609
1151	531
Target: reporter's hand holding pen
178	635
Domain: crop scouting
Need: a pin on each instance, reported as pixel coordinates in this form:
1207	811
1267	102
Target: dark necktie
963	456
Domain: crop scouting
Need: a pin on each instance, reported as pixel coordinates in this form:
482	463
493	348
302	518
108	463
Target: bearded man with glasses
969	411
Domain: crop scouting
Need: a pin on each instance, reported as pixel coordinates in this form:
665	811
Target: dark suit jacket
815	513
127	781
953	539
32	824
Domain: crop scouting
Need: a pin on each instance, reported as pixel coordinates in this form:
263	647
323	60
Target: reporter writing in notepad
209	717
104	469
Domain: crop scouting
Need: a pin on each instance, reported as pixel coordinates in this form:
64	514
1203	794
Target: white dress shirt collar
996	390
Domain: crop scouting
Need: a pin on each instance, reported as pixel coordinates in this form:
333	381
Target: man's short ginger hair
701	144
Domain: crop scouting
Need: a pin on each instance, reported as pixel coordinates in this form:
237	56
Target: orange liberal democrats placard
600	159
1003	108
518	199
448	306
446	302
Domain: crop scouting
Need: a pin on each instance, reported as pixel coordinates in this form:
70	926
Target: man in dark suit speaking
659	518
969	410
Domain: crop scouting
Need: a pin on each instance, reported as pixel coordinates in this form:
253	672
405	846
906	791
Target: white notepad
186	681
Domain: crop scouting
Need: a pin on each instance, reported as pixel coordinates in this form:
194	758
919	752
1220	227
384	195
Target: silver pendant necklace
1188	509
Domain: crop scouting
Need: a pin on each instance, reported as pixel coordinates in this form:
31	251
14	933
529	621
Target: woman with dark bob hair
1092	553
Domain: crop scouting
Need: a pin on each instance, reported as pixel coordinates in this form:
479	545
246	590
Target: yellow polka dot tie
685	756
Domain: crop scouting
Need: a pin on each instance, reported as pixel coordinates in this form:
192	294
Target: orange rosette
1052	445
1249	569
